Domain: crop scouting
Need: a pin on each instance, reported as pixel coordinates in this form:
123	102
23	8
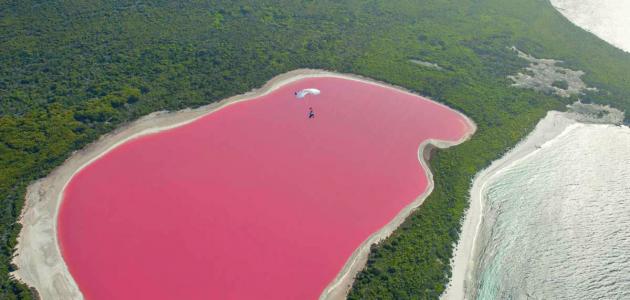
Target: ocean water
557	223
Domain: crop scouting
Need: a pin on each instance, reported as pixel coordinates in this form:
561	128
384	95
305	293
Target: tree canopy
71	71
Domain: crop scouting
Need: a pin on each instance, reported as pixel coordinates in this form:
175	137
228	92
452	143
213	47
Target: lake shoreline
339	288
38	255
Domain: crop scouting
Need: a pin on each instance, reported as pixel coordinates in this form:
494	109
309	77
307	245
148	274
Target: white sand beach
463	260
607	19
549	128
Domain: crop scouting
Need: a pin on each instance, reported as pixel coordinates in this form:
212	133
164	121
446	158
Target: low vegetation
561	84
71	71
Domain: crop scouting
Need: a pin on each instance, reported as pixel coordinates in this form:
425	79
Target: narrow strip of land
339	288
463	260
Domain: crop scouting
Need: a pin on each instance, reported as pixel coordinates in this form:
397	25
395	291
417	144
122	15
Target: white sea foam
556	224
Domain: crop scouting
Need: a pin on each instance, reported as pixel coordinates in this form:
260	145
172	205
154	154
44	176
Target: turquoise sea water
557	223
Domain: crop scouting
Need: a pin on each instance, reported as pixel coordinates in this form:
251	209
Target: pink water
254	201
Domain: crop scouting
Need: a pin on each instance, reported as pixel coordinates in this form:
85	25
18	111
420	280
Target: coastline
463	261
601	18
38	254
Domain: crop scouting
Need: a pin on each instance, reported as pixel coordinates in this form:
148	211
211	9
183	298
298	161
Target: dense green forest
73	70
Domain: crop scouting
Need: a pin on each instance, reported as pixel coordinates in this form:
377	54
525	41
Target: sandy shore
38	257
338	289
554	124
607	19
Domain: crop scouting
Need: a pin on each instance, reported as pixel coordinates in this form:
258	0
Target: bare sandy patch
546	76
427	64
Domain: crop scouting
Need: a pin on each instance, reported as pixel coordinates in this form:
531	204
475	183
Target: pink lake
253	201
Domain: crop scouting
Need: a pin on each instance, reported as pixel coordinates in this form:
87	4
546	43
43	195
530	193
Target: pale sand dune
38	256
608	19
